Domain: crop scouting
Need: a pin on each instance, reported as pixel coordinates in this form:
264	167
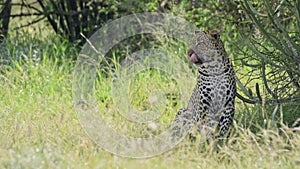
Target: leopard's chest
211	94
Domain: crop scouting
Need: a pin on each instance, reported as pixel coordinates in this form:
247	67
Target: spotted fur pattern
211	105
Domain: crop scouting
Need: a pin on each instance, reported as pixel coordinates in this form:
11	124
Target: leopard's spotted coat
211	105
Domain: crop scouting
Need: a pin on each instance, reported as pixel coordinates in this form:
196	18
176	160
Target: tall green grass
39	127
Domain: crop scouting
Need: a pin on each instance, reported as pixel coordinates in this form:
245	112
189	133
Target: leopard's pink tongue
193	58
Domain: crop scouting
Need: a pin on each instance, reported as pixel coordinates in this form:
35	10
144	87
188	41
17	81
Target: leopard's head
206	50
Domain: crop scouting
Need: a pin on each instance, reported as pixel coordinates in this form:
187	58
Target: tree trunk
4	17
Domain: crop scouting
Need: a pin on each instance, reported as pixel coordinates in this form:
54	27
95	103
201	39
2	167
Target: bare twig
31	23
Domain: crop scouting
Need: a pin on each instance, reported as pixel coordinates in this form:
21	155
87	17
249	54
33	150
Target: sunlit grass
39	126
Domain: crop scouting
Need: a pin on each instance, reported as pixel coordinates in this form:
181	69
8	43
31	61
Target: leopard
212	103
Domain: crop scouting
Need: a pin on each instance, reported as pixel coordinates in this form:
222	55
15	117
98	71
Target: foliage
25	46
69	18
270	52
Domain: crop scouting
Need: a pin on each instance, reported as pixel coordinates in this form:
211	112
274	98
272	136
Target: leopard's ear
215	34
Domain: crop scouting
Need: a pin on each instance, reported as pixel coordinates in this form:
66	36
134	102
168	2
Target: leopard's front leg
225	121
183	122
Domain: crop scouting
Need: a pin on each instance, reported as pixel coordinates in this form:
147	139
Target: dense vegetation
38	124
